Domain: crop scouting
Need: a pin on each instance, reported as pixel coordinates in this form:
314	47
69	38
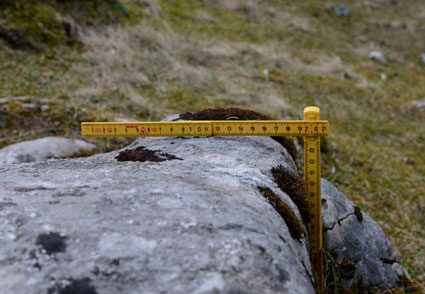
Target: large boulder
363	256
189	215
194	224
44	148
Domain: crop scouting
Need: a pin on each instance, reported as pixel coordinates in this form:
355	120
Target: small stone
408	161
266	74
420	105
422	58
378	56
30	106
340	9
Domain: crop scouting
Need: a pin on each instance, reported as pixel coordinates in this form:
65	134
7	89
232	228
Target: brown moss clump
291	220
294	186
234	113
358	213
143	154
231	113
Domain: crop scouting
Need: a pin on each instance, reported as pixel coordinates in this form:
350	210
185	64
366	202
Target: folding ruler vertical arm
312	183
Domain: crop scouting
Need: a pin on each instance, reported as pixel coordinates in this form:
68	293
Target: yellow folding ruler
311	128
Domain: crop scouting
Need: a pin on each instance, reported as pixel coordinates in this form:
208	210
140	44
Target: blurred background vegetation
67	61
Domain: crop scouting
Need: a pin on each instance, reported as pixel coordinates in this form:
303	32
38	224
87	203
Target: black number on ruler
323	129
311	172
312	183
311	194
217	129
312	161
241	128
288	128
264	129
171	130
149	130
300	128
229	128
276	128
183	129
252	129
206	129
137	129
311	150
160	129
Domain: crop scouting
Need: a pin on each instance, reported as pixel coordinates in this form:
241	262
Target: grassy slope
175	56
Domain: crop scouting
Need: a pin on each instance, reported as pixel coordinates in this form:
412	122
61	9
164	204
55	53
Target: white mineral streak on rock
115	245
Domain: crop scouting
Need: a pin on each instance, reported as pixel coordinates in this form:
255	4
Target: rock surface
422	58
357	243
44	148
378	56
340	9
196	225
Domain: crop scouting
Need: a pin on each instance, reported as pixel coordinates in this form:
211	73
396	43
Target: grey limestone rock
197	225
378	56
422	58
340	9
356	240
421	105
44	148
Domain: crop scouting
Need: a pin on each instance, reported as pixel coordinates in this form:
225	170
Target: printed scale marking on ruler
311	128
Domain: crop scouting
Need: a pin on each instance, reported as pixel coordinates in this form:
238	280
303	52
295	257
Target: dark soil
143	154
16	40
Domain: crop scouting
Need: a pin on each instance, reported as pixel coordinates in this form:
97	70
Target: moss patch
291	220
358	213
234	113
294	186
143	154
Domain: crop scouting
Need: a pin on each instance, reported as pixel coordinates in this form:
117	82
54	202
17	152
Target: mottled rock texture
195	222
357	243
196	225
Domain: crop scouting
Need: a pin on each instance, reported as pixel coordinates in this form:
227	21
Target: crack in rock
338	222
